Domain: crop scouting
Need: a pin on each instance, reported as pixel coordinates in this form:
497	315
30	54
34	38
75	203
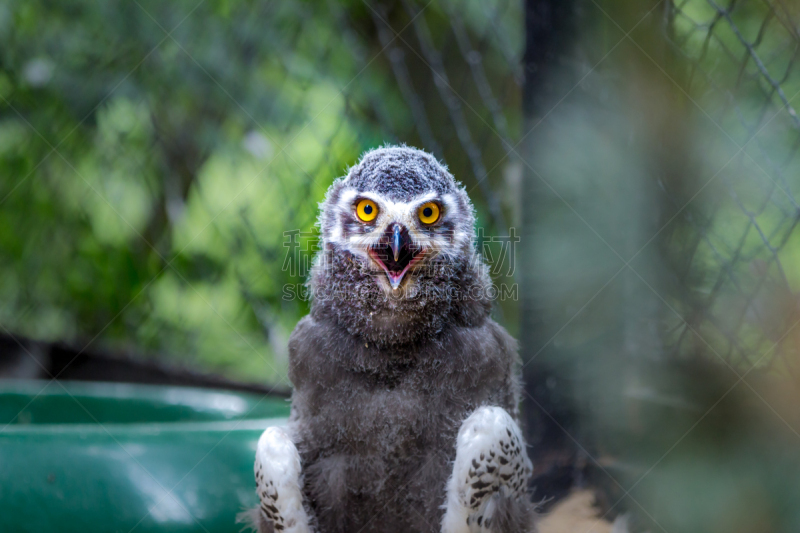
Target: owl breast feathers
405	390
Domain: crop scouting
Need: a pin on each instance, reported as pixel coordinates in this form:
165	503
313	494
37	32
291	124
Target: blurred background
634	166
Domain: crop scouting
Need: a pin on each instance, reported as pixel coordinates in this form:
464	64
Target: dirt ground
575	514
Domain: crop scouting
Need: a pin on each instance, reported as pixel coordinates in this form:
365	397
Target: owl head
397	244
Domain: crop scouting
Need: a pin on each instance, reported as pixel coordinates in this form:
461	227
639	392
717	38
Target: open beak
396	253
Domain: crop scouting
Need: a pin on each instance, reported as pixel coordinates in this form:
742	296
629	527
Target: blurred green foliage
155	154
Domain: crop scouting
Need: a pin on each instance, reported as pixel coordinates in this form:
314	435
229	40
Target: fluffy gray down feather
382	384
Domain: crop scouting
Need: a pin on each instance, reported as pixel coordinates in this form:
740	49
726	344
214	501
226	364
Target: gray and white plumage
279	483
405	390
491	468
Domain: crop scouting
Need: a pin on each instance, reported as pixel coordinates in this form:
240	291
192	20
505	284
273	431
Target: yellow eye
428	213
366	210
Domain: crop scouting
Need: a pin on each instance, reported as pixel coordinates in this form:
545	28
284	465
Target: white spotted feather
491	462
279	481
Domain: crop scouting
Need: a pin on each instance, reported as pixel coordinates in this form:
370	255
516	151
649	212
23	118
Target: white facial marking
405	213
461	235
391	212
344	204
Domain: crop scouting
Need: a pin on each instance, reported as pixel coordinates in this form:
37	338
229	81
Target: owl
406	392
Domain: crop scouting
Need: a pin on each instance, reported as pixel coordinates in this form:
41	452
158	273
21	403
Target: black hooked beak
397	241
396	253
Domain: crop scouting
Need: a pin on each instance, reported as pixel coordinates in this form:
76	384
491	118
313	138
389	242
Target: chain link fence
738	267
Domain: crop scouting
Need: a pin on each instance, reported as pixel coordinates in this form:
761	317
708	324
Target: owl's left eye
366	210
428	213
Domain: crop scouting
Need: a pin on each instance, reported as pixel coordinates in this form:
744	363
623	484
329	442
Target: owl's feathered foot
487	492
278	484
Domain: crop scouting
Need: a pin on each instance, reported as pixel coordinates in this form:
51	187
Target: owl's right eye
366	210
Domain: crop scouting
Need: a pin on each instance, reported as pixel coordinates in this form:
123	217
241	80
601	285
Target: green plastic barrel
107	457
